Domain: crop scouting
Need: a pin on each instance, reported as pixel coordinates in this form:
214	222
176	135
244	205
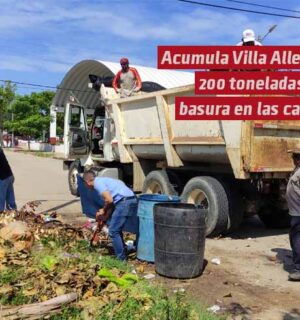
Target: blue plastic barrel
89	198
145	245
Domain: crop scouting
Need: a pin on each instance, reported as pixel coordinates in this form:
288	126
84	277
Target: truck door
78	142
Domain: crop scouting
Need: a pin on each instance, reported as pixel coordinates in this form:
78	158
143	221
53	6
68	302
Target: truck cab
88	140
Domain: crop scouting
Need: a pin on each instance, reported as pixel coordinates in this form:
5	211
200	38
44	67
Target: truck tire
74	169
208	193
273	217
158	182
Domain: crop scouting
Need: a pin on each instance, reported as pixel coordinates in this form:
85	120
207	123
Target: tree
31	114
7	95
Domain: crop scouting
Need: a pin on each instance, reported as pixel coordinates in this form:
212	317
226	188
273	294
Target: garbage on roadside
214	309
42	259
149	276
180	290
228	295
130	245
216	261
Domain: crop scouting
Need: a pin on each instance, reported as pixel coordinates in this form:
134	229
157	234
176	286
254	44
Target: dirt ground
251	281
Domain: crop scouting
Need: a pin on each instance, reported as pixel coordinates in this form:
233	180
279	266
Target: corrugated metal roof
76	80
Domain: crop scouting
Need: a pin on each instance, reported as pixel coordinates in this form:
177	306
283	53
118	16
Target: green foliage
60	118
48	263
31	114
7	95
19	298
113	263
42	154
68	313
16	299
107	290
145	302
53	242
9	276
125	281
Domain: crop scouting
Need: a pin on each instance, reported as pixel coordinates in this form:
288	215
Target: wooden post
124	154
166	131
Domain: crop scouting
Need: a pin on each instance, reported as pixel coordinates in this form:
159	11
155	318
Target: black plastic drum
179	240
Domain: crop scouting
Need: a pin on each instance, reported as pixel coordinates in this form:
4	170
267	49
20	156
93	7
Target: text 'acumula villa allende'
238	57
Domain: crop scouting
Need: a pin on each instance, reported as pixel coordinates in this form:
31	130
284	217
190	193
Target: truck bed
146	128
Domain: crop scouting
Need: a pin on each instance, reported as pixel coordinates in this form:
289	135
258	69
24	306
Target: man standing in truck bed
248	39
127	81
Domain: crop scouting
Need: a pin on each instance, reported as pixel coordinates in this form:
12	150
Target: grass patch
146	302
53	242
19	298
42	154
106	287
9	276
112	263
68	313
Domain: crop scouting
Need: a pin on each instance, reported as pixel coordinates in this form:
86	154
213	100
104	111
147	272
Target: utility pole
12	134
261	39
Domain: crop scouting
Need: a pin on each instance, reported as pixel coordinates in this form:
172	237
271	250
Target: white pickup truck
231	168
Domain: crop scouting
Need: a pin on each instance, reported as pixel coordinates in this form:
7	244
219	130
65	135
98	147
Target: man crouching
120	204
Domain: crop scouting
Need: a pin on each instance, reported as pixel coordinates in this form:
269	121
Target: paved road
42	179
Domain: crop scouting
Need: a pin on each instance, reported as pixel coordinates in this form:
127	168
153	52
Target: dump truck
231	168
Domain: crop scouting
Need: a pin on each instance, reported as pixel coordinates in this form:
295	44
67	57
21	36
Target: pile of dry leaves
42	258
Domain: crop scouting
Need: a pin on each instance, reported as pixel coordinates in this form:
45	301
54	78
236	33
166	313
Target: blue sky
41	40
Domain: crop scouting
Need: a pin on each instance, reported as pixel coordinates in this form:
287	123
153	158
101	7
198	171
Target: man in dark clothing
293	200
7	195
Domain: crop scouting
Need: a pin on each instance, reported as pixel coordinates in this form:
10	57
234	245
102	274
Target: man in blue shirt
120	204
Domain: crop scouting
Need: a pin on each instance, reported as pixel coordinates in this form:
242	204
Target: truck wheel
273	217
158	182
208	193
74	169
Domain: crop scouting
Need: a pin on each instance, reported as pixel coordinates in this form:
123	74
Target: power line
46	86
263	6
27	87
239	9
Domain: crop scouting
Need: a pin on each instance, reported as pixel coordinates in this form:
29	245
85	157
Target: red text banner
247	82
231	57
237	108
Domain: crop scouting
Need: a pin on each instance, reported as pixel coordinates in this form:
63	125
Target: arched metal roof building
76	80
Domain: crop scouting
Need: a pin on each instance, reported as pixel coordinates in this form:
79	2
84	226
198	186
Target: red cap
124	61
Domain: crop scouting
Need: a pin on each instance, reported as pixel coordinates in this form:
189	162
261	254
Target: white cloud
21	63
127	22
53	36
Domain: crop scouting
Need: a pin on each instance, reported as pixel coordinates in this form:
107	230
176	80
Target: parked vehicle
230	167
